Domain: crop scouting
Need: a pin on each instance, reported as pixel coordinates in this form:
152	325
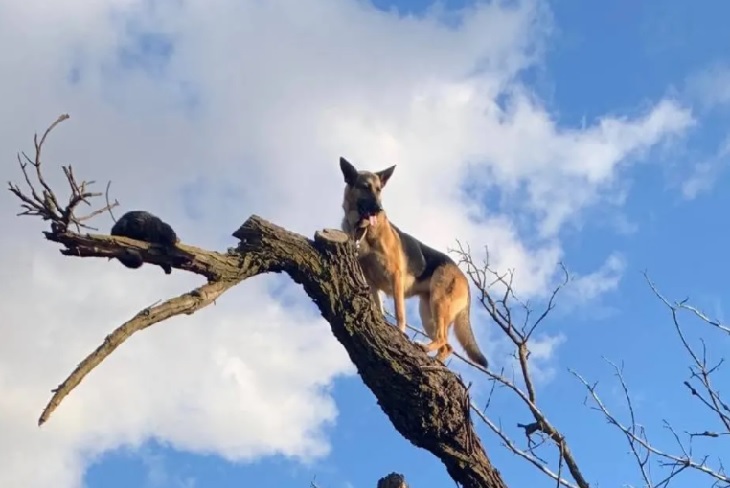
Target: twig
45	204
701	371
109	206
523	454
631	437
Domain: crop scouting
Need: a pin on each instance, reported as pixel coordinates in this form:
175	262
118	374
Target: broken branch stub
393	480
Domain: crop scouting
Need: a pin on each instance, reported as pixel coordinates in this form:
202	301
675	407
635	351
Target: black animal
143	226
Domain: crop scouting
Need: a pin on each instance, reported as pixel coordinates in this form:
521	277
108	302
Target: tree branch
500	307
639	441
426	402
707	394
187	303
700	371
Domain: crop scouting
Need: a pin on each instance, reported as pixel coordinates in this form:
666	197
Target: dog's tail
465	336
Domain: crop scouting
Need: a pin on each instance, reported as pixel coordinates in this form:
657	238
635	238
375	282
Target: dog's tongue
373	220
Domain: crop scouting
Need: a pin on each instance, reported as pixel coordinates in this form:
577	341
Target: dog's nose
367	206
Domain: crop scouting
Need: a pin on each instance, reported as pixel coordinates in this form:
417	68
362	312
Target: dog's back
421	260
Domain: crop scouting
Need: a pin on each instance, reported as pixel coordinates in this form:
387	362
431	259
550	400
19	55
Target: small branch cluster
497	295
700	370
44	203
657	466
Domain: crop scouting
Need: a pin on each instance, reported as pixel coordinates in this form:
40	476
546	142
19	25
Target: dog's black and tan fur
402	267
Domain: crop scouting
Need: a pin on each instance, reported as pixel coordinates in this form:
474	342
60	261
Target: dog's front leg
399	299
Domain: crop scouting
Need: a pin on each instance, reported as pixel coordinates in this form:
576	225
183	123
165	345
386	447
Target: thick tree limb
212	265
426	402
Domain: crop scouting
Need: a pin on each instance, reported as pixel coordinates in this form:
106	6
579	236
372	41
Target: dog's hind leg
424	310
429	327
439	306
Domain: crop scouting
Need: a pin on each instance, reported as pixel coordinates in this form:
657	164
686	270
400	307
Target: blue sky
595	60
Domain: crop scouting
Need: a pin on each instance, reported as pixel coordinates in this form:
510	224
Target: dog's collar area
358	240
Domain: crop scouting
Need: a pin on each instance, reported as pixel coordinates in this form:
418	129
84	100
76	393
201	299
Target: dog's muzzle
368	210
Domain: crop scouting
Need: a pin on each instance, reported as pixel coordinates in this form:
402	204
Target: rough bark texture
393	480
426	402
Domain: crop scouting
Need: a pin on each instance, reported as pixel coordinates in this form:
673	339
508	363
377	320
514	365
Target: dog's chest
377	266
380	267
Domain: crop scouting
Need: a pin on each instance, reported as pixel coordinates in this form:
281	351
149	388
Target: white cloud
711	86
583	288
543	349
700	180
252	110
705	173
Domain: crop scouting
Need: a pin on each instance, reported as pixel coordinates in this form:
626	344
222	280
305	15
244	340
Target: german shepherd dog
401	266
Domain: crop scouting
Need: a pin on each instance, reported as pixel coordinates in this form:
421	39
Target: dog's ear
348	171
385	175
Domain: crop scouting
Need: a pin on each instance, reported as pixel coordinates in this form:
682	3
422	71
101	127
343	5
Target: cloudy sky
551	131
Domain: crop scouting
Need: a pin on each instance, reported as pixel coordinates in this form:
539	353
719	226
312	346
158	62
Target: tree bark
393	480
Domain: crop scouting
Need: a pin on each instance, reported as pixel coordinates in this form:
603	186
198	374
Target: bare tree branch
187	303
701	371
524	454
638	440
500	307
47	206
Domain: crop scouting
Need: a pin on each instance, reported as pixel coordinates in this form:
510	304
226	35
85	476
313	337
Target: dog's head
362	202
